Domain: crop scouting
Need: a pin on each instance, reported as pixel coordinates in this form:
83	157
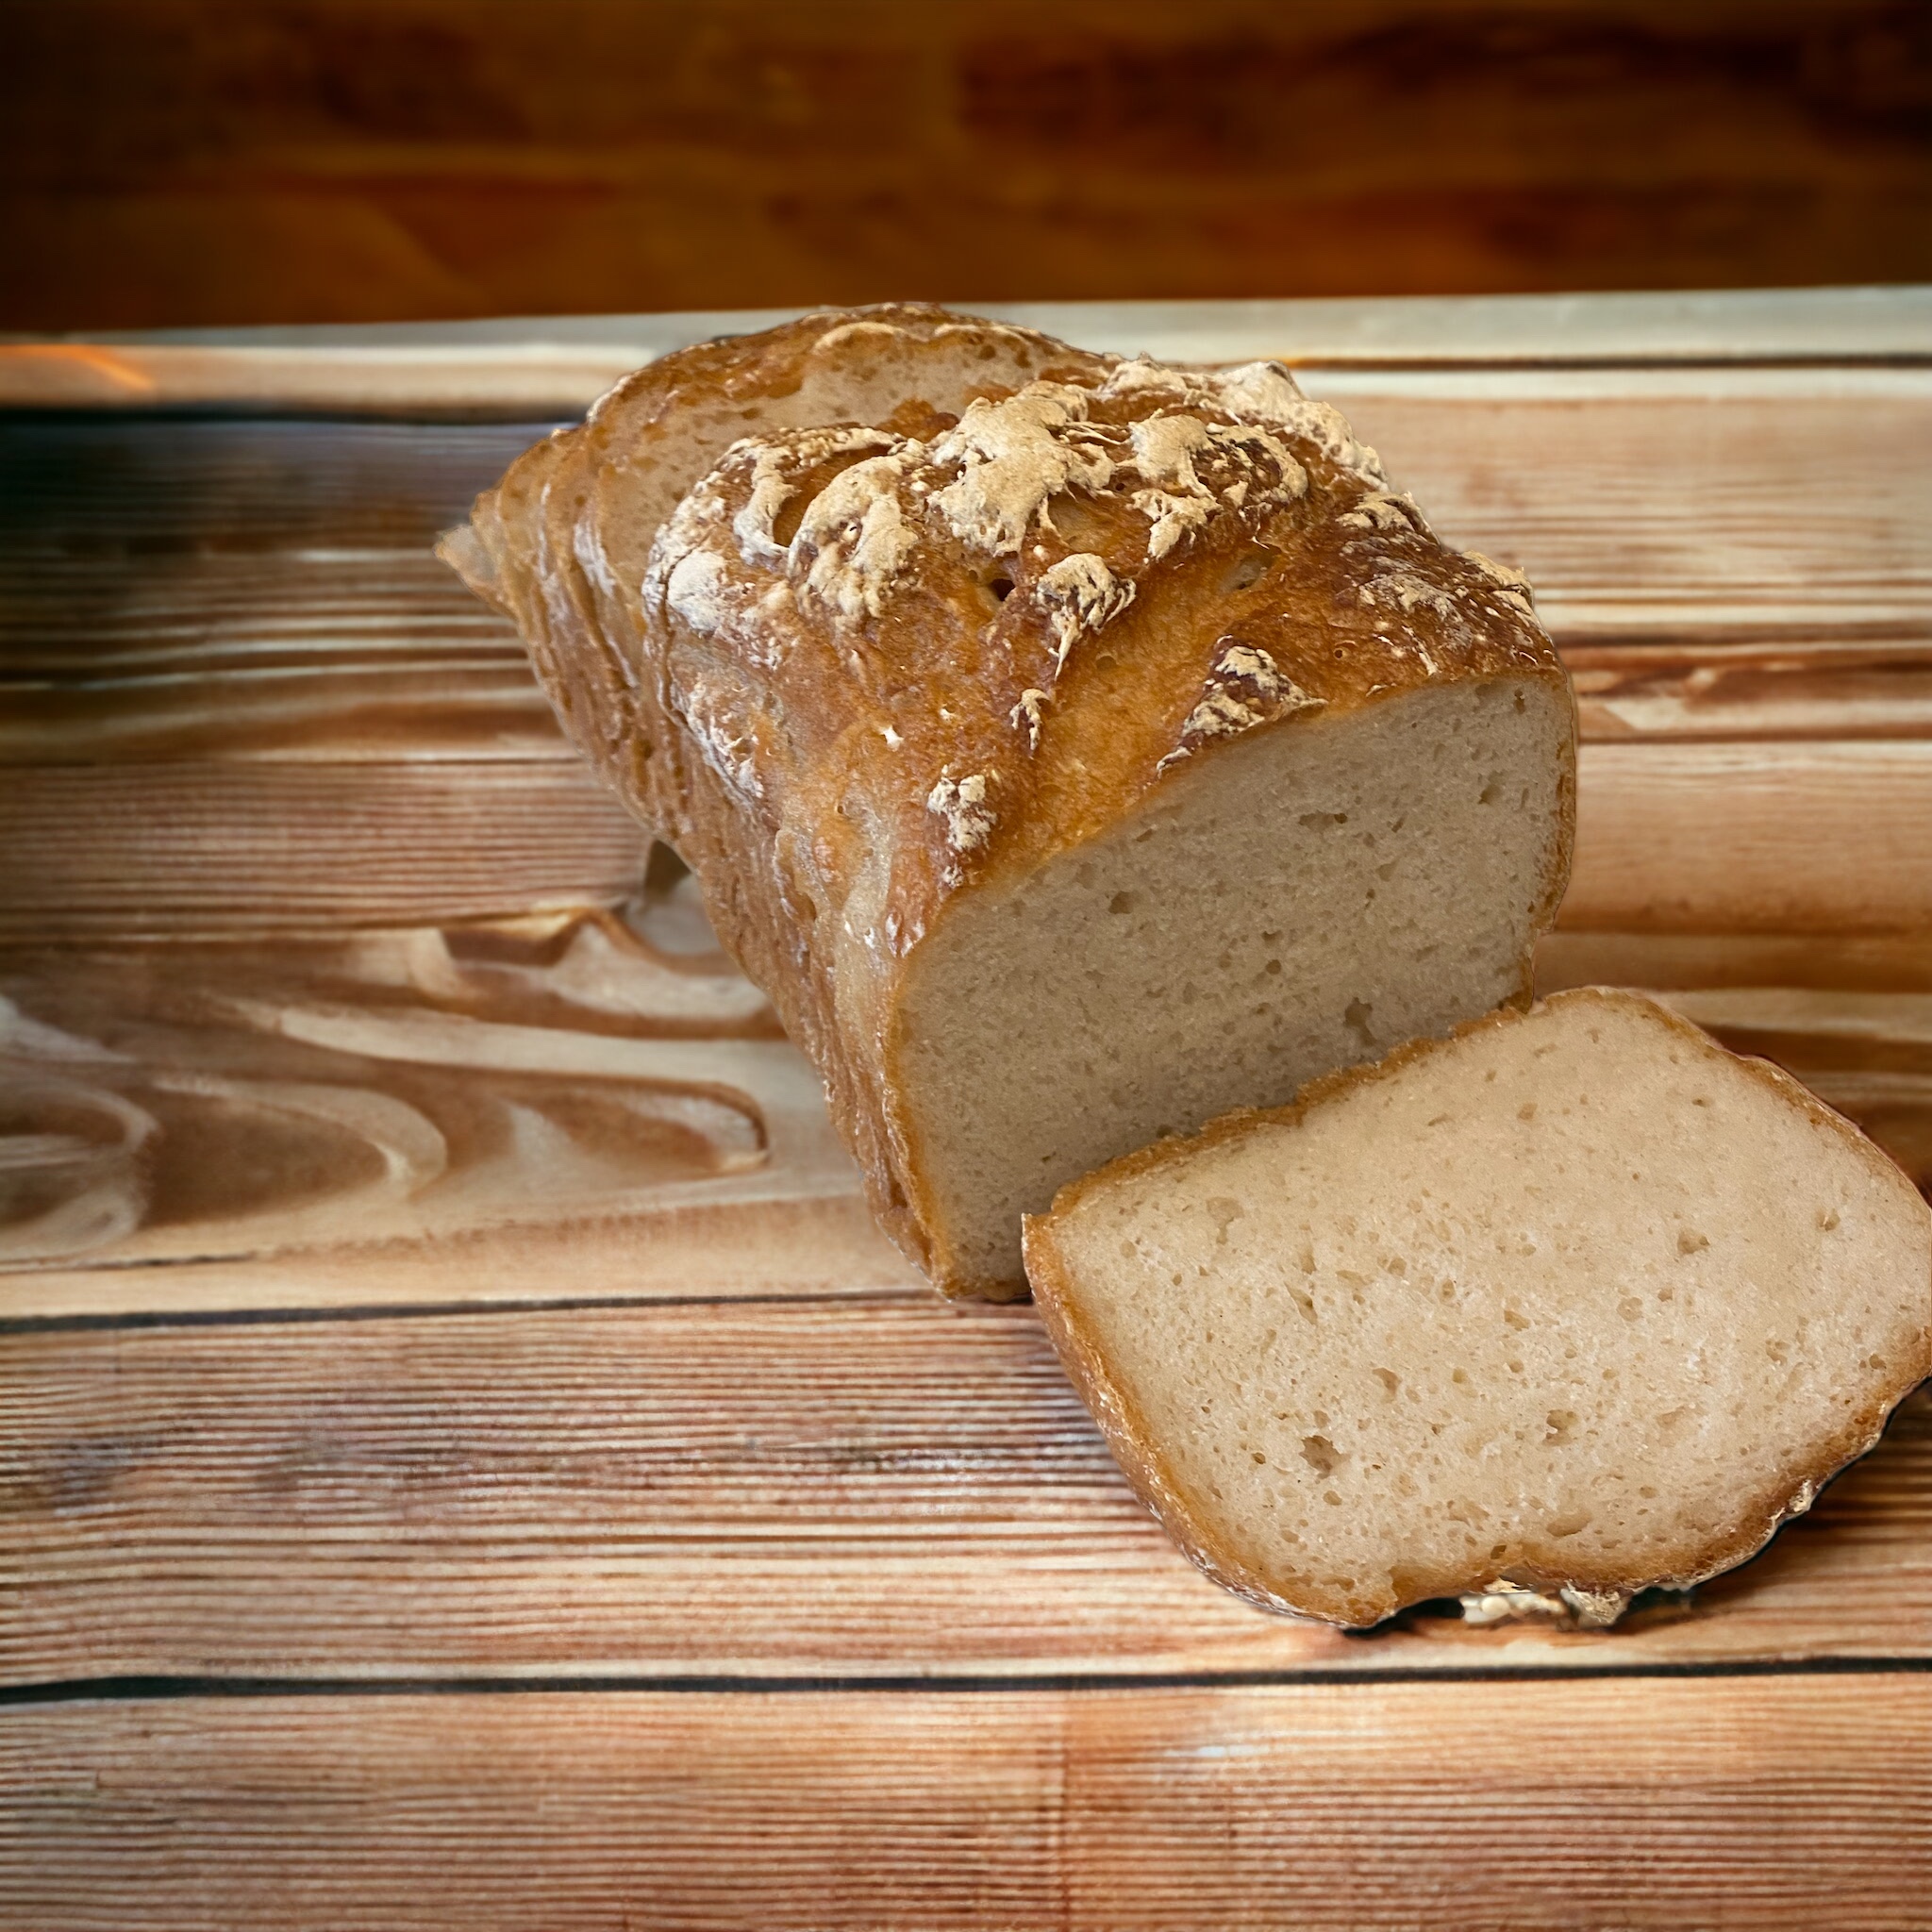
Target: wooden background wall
209	161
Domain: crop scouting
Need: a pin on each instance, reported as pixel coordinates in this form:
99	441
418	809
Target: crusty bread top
968	644
561	545
1237	528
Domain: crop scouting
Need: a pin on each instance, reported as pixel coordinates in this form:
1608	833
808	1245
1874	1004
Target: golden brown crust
859	674
1137	1449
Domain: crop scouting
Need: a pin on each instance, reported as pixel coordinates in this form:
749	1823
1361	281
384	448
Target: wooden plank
594	1106
428	157
1901	963
1833	688
188	849
1815	838
567	1107
850	1488
545	365
1820	837
1686	508
1741	1803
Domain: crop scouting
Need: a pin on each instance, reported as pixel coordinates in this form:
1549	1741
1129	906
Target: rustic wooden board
423	1268
859	1487
1742	1803
583	1106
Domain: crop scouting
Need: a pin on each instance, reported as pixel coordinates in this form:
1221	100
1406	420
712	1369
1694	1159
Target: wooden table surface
465	1458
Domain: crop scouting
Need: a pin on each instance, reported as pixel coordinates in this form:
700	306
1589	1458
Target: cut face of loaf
1071	747
1306	900
1575	1299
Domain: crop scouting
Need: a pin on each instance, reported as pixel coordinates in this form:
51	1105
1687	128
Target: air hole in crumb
1321	1455
1222	1209
1573	1523
1390	1382
1558	1422
1122	902
1490	792
1777	1351
1526	1111
1828	1219
1690	1242
1002	588
1629	1307
1355	1016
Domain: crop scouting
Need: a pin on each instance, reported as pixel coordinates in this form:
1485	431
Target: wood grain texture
572	1105
576	1105
702	1569
236	590
1744	1803
188	849
171	161
848	1488
1830	838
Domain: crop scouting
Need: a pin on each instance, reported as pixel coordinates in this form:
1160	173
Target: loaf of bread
1573	1303
1071	747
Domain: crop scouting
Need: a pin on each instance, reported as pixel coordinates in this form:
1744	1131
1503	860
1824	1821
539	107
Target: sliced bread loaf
1074	748
1575	1301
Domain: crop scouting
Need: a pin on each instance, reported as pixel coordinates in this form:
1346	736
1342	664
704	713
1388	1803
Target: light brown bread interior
1577	1300
1305	901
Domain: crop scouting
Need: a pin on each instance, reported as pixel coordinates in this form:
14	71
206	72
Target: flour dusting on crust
1014	457
962	802
855	534
1266	391
1080	593
1511	586
775	470
1246	688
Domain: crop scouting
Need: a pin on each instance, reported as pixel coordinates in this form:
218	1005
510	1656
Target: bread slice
1574	1302
1071	747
